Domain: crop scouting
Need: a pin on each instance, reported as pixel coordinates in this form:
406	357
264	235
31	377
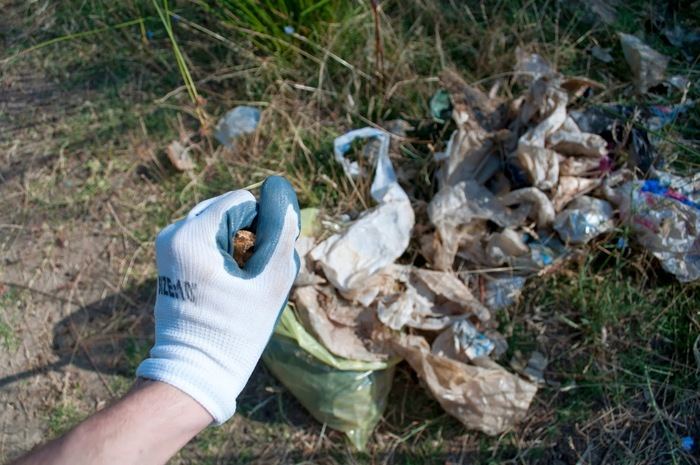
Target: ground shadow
110	335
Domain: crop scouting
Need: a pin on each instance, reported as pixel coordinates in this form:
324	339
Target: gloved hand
213	318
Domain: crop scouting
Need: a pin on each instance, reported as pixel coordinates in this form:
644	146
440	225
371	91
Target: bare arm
147	426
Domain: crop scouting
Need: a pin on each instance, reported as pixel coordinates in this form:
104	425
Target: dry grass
85	187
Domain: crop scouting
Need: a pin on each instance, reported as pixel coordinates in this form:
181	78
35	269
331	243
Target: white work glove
213	318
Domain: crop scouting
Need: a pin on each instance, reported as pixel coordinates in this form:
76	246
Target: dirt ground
54	267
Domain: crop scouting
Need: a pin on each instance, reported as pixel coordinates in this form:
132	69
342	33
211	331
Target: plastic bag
347	395
241	120
667	223
585	218
351	259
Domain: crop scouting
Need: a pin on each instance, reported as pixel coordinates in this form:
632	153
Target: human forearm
149	425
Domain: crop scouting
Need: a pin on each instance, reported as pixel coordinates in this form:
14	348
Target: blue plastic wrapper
687	443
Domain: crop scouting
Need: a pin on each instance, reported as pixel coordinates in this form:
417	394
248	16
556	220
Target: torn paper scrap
370	244
487	112
648	65
429	300
505	245
179	156
542	209
343	341
447	286
454	207
581	166
486	398
467	201
411	308
539	162
469	156
570	140
470	150
570	187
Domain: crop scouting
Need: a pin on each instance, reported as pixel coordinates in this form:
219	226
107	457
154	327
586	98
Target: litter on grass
666	222
483	396
241	120
648	65
602	54
426	299
687	443
585	218
520	185
503	290
462	342
352	260
179	156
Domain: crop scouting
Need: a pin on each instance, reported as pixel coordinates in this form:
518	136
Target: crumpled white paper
378	237
454	207
540	162
570	140
542	211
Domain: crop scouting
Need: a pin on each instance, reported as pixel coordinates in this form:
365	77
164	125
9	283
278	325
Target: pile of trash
521	185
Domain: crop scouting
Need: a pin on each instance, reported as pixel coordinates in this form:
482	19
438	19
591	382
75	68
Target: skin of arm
147	426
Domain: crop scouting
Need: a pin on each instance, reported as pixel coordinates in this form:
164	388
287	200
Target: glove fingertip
278	223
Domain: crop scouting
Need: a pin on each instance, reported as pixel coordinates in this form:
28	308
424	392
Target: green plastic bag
347	395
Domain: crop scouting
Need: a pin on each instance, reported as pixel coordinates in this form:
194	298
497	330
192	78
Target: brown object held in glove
243	244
